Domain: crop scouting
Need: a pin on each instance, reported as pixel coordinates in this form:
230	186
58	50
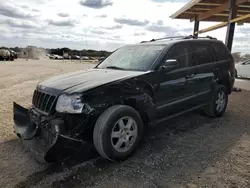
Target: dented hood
84	80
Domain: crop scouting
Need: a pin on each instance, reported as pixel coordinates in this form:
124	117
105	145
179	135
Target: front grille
43	101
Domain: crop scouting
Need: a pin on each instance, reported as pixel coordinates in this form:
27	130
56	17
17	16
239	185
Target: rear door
201	70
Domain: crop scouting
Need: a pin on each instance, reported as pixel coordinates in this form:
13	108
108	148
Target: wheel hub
124	134
220	101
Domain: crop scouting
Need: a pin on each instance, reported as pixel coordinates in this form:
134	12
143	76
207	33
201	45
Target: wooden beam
217	10
223	24
209	4
244	6
240	18
185	8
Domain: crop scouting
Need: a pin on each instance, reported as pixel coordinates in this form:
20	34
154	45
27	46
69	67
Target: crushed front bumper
42	136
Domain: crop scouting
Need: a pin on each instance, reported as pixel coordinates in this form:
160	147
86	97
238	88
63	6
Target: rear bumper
43	137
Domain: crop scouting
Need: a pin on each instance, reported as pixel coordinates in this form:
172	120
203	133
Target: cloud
98	32
96	4
62	14
163	29
101	16
159	27
113	27
139	34
244	30
19	24
9	10
26	7
168	30
159	22
35	10
62	23
131	22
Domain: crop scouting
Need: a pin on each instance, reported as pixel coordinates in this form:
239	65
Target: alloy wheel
124	134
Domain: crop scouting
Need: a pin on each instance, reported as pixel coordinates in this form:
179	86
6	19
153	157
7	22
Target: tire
109	122
212	110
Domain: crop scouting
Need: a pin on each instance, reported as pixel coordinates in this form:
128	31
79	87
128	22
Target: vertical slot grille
43	101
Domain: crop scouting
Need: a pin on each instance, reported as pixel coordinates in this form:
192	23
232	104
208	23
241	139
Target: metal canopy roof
212	10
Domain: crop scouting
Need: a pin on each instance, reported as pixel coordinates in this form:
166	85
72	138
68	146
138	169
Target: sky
98	24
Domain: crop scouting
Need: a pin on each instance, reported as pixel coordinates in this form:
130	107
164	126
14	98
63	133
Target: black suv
136	86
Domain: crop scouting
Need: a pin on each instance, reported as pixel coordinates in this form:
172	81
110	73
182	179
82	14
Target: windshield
139	58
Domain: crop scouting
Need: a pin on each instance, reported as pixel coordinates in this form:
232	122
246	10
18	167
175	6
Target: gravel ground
190	151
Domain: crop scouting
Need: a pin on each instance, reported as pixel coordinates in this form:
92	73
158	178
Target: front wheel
218	104
118	132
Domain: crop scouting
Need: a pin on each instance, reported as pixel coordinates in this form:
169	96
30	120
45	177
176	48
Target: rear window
202	53
221	51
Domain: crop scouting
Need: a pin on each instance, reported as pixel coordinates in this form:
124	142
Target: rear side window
181	53
221	51
202	53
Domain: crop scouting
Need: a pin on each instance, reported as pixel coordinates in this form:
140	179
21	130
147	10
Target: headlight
69	104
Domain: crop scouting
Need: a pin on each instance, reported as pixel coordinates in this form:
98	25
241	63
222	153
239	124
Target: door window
202	54
180	53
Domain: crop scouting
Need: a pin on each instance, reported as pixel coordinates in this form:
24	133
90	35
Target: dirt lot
190	151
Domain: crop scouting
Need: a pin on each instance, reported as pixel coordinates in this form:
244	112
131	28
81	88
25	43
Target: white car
242	69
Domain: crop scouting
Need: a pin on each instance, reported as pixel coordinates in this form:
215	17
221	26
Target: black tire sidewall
218	89
106	135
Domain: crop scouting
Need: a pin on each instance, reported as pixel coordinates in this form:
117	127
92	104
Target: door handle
190	75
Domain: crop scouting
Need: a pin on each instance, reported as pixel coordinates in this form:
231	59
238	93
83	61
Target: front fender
134	93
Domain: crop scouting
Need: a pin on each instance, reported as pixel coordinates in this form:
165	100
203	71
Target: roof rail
195	37
181	37
152	40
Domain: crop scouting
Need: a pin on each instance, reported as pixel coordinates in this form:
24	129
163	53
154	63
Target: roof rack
181	37
195	37
164	38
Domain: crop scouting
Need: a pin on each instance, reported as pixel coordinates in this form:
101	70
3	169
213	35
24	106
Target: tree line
60	51
92	53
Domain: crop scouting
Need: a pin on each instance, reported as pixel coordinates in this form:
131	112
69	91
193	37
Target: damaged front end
45	137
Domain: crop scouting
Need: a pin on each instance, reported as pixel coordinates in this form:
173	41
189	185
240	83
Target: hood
84	80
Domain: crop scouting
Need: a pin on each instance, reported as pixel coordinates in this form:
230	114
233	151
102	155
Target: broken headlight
69	104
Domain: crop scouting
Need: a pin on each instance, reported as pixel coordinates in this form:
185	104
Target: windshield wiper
115	67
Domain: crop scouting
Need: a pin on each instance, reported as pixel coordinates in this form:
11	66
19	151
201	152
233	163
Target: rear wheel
118	132
218	103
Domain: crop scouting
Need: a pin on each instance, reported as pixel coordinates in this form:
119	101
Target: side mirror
170	64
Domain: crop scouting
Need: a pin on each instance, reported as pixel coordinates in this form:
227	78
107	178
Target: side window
202	53
180	53
221	51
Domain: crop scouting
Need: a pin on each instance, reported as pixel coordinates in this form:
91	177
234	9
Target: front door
171	91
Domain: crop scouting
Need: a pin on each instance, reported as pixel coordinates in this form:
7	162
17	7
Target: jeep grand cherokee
111	104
